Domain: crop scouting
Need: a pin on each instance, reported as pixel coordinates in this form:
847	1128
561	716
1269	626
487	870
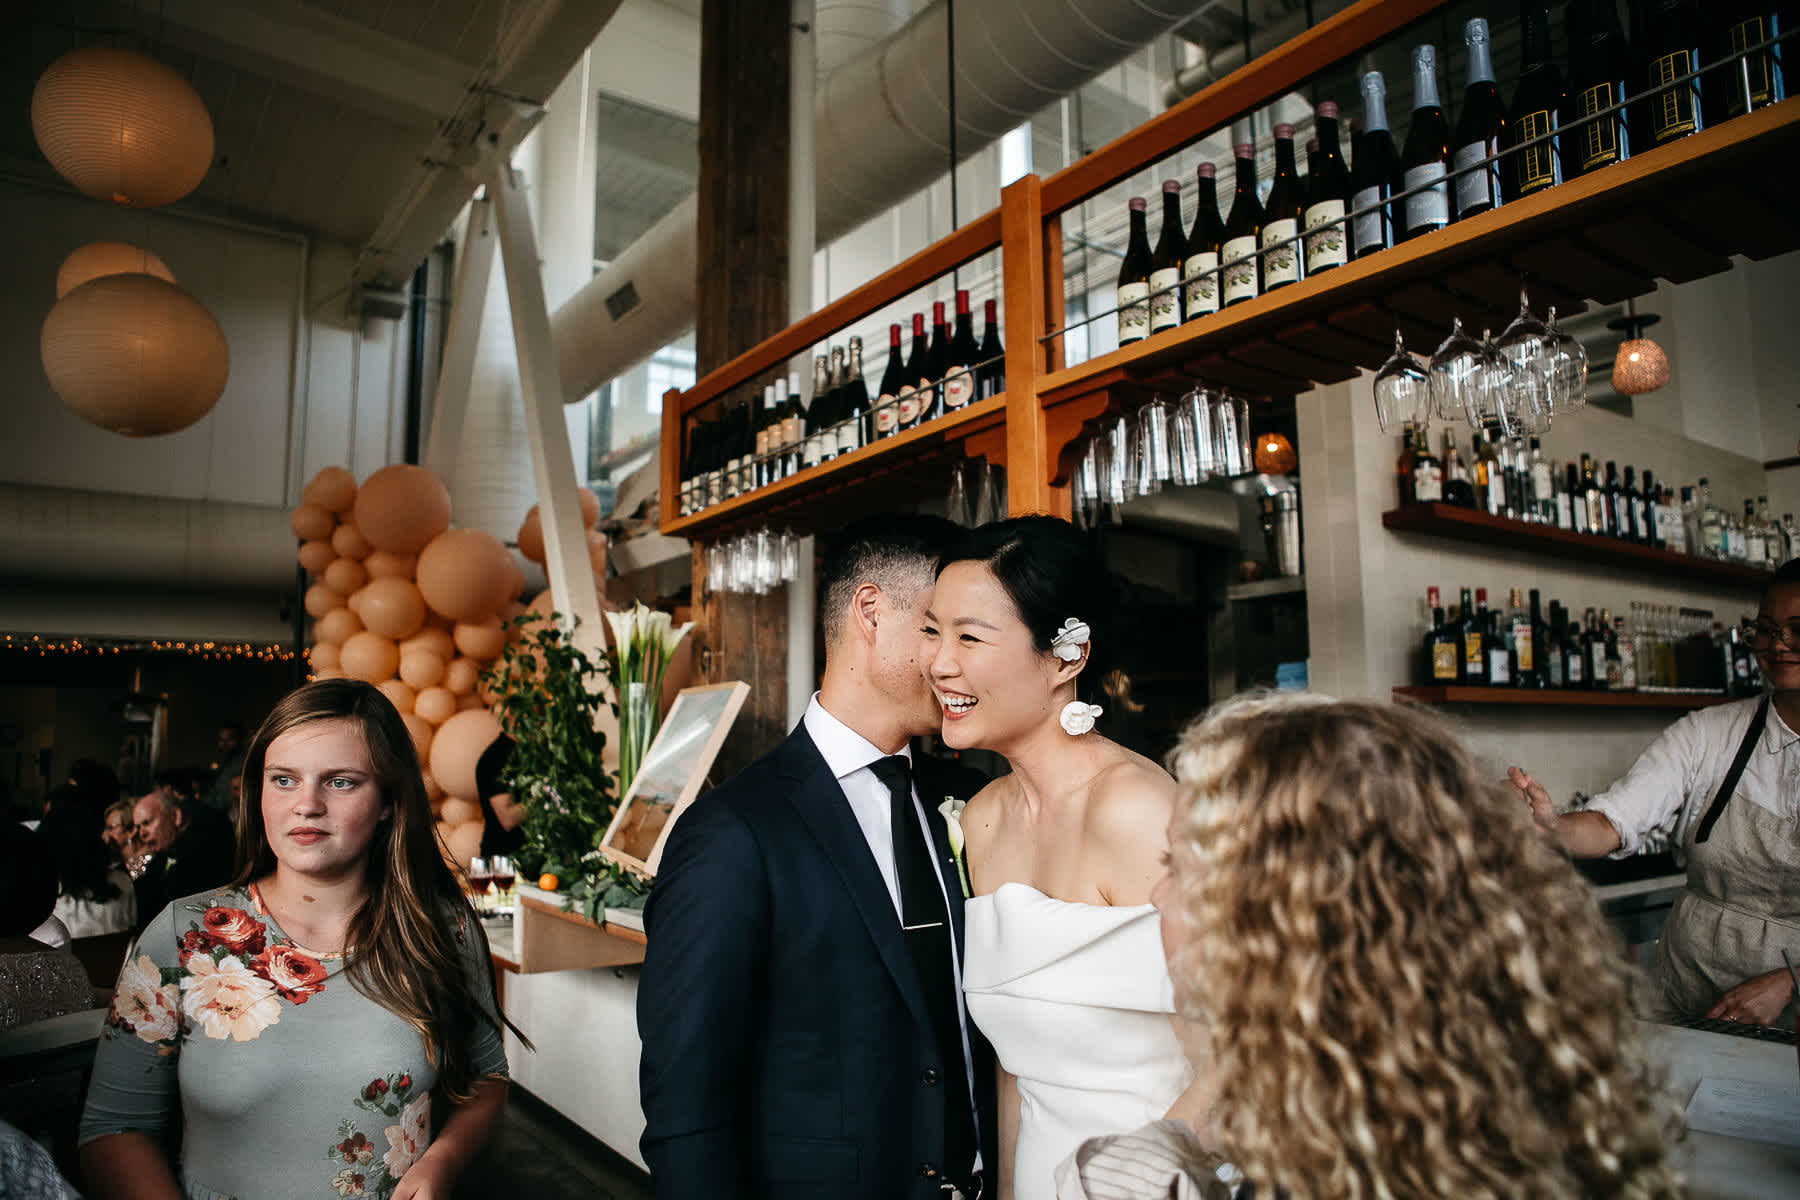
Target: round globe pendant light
134	354
1640	365
121	126
107	258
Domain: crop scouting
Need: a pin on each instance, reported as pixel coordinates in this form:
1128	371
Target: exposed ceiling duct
882	134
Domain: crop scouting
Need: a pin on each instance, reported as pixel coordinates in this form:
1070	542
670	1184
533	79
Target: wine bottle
1404	464
1749	79
1458	489
1503	643
1635	529
893	380
855	426
689	468
963	353
1621	505
1200	270
1478	129
768	438
1599	75
992	376
1599	511
759	474
1376	173
813	453
1165	264
1239	279
1473	627
1443	648
1670	51
931	385
793	429
1327	241
1134	279
1528	641
918	367
1532	164
1428	472
1280	234
1424	162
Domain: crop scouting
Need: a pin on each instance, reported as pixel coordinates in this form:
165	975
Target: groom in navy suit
800	1003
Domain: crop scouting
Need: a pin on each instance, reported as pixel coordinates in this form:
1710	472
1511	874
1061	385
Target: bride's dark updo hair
1053	572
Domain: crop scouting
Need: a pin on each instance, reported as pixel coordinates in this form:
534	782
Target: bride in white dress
1063	965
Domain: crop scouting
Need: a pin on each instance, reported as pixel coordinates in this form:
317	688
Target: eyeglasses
1765	633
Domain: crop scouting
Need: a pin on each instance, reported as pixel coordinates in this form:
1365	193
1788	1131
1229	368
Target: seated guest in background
120	835
93	896
1402	993
226	768
299	1024
96	781
187	848
37	981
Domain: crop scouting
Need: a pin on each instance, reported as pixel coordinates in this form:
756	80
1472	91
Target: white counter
1719	1166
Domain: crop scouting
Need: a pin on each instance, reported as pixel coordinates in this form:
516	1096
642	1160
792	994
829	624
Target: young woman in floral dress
301	1021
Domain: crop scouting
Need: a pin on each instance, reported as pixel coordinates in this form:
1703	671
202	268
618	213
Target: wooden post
1028	465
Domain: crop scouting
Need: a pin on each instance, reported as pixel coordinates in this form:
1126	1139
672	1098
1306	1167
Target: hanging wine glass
1457	378
1500	401
1184	440
1154	467
1196	406
1087	483
1529	349
956	504
1402	389
1568	371
990	500
1122	442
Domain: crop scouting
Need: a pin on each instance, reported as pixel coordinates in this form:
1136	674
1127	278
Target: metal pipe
802	238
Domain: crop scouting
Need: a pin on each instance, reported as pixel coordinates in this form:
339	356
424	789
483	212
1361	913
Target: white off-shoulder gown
1075	999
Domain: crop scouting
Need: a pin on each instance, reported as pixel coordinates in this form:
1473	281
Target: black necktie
927	927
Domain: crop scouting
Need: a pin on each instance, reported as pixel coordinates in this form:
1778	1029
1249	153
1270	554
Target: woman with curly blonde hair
1403	990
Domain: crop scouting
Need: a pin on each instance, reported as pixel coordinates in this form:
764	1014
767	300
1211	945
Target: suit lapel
932	793
826	815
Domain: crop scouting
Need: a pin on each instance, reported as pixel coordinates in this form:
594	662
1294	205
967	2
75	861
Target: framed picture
673	770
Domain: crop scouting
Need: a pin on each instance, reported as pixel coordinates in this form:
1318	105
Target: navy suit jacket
788	1051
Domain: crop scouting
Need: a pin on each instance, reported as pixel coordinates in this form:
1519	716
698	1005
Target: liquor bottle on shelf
1756	544
1750	79
1618	520
689	461
1200	268
813	452
741	450
1518	480
1571	505
1502	645
1632	527
1327	240
715	461
1428	472
1543	490
1528	641
1458	487
1655	520
962	355
1375	175
893	382
856	427
1443	645
1599	506
1279	239
1534	159
768	424
992	376
1675	520
1404	464
793	429
1479	129
1600	74
1774	538
931	384
1490	476
916	384
831	412
1239	278
1472	624
1574	653
1425	162
1549	646
1670	51
1625	649
1710	522
1165	263
1790	535
1134	279
1593	640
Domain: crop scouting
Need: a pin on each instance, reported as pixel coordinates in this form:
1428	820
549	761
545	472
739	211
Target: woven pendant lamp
122	127
1640	365
134	354
107	258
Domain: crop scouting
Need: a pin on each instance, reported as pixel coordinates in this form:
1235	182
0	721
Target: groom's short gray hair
897	552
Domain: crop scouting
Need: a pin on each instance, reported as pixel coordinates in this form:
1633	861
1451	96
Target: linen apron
1740	907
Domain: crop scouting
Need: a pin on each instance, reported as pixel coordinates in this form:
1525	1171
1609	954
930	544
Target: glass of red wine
500	873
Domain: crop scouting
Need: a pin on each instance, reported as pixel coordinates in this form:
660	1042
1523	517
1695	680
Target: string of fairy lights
47	647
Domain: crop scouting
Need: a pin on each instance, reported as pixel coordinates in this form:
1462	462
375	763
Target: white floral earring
1076	718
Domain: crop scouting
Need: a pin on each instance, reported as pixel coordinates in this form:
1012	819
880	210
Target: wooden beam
1028	488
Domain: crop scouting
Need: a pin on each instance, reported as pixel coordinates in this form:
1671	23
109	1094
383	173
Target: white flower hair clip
1078	718
1069	640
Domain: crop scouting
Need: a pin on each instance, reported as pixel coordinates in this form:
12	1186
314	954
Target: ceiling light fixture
1640	365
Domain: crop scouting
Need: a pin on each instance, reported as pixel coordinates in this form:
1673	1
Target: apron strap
1717	808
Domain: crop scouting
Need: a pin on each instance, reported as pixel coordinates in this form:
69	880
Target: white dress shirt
849	755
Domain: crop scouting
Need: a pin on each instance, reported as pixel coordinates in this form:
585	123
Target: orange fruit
548	882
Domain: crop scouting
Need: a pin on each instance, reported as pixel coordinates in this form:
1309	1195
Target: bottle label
1752	83
909	405
762	441
849	435
887	415
1429	209
815	449
1604	140
1627	665
1202	274
1521	632
1134	311
1500	667
1564	517
1165	305
1369	230
1476	186
959	387
1539	164
1281	253
1496	491
715	487
1540	490
1473	664
1573	670
1428	483
1676	111
1443	661
1237	270
1597	661
1326	245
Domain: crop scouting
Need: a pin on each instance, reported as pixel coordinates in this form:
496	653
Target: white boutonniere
952	810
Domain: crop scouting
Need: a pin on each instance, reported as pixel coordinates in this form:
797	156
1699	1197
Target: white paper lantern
122	127
107	258
134	354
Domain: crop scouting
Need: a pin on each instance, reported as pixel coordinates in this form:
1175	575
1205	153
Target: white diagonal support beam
468	302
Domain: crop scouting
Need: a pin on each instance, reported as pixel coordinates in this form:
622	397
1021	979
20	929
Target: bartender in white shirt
1730	774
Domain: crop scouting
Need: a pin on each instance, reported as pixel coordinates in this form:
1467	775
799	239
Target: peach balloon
354	602
420	730
432	790
382	565
437	641
481	639
328	673
311	523
345	575
401	508
337	626
320	600
464	843
369	657
468	702
398	694
461	674
349	541
420	668
324	654
332	489
590	507
463	573
316	555
515	580
459	812
531	536
596	546
456	748
392	607
435	704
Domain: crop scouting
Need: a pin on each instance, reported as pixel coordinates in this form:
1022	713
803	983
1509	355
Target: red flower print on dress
375	1089
233	928
356	1149
404	1082
295	974
193	942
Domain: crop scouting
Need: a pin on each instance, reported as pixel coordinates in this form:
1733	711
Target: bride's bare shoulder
1130	798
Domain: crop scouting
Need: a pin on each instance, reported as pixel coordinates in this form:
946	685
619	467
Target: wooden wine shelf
1679	212
1472	525
812	499
1555	698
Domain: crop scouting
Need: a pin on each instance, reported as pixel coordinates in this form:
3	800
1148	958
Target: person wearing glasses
1729	776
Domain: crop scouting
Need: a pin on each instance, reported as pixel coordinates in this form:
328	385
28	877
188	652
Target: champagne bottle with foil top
1479	129
1281	250
1670	51
1240	278
1534	159
1375	175
1166	262
855	426
1200	269
1134	279
1327	238
1425	162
